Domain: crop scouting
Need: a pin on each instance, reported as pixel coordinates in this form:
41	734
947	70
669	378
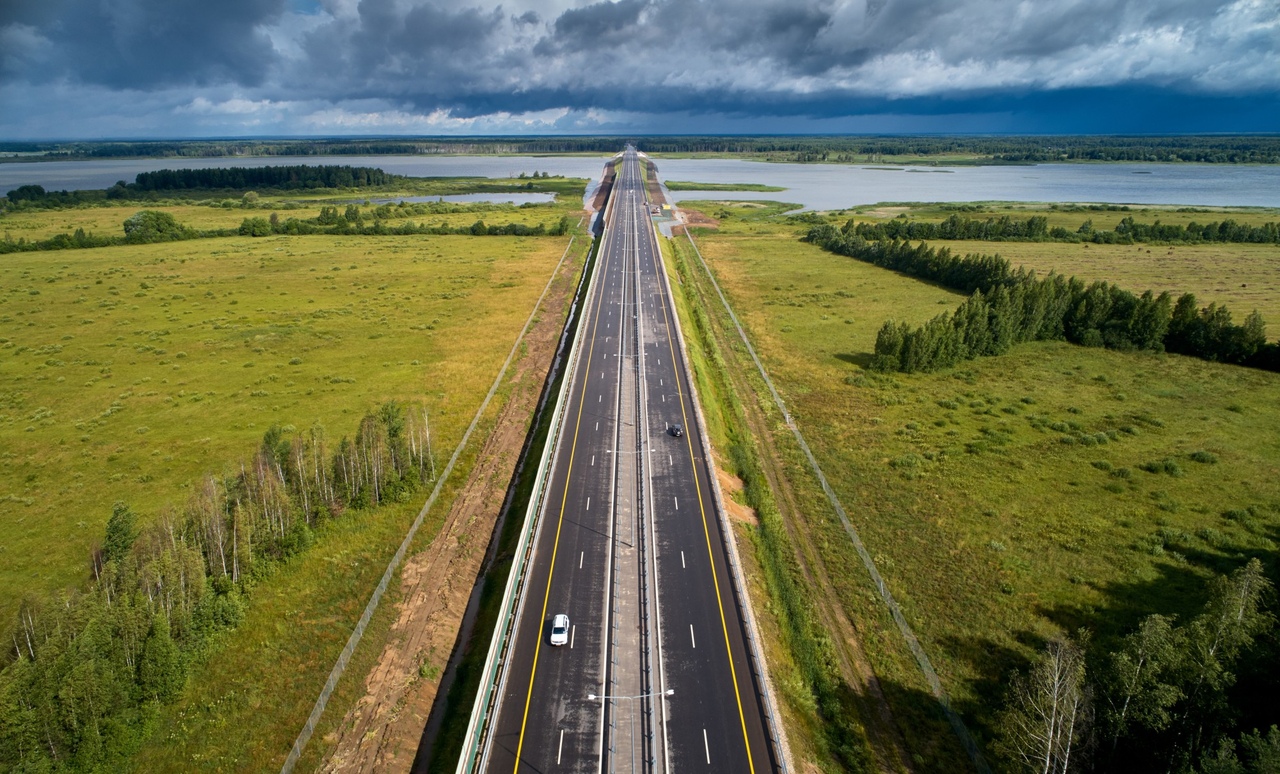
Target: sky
96	69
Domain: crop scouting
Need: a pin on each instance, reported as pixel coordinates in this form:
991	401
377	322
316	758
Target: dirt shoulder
381	731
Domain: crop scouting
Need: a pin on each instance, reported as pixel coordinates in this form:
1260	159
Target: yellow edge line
555	548
724	626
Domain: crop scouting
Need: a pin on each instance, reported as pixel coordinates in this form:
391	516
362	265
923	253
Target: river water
813	186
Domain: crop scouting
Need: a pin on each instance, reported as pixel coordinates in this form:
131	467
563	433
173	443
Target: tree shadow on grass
1179	588
932	745
862	359
991	664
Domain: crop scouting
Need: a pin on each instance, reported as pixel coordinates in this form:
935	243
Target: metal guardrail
493	676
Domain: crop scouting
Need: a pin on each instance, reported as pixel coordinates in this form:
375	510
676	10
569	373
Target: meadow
126	373
1006	500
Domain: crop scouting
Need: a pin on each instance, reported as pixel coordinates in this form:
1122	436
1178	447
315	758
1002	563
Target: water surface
814	186
831	187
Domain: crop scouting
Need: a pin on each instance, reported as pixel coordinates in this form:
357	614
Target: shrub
152	226
1166	465
1202	456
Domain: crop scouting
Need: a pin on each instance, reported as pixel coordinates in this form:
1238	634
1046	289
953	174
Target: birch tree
1048	715
1140	678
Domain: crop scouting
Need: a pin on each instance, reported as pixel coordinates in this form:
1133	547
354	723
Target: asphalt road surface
656	675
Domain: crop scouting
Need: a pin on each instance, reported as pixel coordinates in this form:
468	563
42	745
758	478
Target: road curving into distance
656	674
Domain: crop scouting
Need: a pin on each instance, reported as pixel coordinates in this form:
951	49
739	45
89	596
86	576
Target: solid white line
706	746
560	750
691	637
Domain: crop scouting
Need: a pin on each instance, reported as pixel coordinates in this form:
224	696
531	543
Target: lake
814	186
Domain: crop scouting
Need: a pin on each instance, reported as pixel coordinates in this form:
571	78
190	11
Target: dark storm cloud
389	46
820	58
144	44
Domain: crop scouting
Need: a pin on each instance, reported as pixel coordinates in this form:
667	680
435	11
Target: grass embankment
1005	500
129	372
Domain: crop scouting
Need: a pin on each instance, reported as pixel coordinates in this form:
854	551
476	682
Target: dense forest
1253	149
86	670
241	178
1008	307
147	184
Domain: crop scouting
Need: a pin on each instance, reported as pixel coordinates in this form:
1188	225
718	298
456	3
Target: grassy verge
1007	500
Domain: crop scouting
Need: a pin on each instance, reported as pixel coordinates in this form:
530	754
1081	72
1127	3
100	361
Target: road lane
631	548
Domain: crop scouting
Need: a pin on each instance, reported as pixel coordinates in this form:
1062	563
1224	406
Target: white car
560	630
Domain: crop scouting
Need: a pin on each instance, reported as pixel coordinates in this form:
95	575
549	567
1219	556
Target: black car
677	430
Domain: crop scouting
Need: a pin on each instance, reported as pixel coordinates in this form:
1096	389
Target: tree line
86	670
1036	229
1008	306
1161	701
241	178
1251	149
353	221
147	184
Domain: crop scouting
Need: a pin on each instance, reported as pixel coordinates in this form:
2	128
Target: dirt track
382	730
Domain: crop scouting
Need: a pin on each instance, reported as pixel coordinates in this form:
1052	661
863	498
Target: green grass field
1004	500
126	373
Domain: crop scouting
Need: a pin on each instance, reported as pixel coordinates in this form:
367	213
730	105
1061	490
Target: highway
656	676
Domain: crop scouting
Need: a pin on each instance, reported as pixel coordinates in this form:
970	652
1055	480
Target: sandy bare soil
382	730
731	486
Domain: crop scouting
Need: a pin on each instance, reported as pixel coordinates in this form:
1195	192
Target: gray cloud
740	57
144	44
